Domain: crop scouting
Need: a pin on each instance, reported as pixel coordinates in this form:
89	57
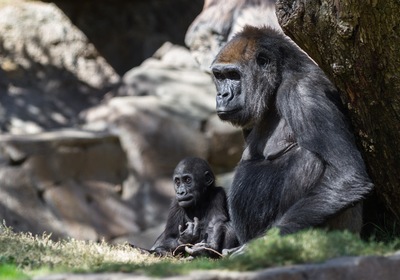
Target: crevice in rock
17	162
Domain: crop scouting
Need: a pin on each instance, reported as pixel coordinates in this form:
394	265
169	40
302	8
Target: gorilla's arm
168	241
312	113
220	233
218	217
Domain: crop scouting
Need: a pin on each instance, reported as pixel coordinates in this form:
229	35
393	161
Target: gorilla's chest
255	197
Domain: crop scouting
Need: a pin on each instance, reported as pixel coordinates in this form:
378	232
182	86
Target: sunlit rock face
50	71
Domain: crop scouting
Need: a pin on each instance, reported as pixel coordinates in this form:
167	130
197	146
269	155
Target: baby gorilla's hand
202	249
191	234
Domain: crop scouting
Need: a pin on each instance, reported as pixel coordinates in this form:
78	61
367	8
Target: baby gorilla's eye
177	181
188	180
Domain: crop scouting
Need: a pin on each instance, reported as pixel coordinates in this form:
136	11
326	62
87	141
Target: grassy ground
23	255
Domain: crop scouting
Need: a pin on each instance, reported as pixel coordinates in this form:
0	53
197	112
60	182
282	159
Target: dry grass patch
31	254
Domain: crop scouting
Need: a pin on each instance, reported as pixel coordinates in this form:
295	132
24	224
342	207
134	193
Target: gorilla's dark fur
301	167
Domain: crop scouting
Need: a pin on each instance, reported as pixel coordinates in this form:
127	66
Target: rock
40	35
171	73
69	183
222	156
52	71
159	113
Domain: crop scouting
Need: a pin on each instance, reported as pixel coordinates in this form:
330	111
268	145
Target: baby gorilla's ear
209	178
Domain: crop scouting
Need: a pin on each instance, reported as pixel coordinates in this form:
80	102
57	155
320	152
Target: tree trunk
357	44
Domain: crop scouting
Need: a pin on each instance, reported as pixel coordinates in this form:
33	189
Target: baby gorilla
198	214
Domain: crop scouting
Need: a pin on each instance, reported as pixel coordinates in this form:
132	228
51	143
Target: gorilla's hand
202	249
234	252
191	234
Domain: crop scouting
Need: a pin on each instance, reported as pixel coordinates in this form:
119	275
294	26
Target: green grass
10	271
23	255
311	246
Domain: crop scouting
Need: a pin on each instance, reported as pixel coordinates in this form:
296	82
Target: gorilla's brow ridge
239	49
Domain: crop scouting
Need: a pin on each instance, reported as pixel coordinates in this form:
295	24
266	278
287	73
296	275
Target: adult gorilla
300	167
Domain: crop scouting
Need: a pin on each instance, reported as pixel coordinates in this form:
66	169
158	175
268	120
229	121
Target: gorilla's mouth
225	114
186	202
185	199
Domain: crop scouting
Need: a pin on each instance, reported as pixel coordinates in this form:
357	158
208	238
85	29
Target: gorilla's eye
218	75
177	181
232	75
188	180
262	59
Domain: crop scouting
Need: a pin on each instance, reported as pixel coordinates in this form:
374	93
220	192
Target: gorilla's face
186	190
230	100
192	178
246	75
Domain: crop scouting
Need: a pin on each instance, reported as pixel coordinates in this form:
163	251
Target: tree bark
357	44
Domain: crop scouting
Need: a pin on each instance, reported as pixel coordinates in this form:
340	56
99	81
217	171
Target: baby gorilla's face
185	189
192	177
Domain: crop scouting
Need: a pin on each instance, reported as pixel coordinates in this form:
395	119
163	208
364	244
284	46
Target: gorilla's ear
209	178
